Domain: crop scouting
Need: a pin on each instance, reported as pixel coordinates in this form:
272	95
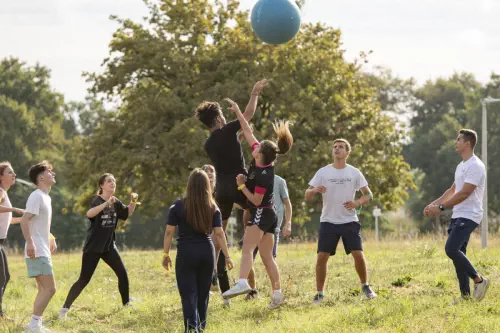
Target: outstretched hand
234	107
259	86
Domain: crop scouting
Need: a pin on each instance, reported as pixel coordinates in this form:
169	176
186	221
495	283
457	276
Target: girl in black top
196	216
258	188
103	215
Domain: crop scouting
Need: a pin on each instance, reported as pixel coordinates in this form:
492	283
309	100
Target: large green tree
32	129
187	52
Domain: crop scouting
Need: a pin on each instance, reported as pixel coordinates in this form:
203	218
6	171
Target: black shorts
330	234
265	218
227	194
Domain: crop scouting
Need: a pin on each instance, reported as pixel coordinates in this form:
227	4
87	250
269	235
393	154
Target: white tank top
5	218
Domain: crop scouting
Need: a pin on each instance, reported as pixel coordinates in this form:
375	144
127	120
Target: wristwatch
441	207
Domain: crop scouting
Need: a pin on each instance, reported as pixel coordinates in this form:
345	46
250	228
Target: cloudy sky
422	39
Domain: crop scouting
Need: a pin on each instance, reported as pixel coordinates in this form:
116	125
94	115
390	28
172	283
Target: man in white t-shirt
465	196
40	244
338	183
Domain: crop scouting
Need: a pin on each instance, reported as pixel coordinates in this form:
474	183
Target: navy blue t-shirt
186	233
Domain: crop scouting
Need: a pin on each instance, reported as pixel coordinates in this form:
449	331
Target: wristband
241	187
51	237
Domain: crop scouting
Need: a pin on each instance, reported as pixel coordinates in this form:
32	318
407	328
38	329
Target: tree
30	131
189	52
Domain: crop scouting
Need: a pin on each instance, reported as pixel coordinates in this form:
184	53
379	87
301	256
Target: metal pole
484	156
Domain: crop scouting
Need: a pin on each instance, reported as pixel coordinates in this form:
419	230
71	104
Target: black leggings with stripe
89	264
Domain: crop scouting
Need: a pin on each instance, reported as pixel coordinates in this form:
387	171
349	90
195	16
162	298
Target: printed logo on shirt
252	175
264	172
340	181
108	218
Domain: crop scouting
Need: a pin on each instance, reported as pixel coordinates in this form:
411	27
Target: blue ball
275	21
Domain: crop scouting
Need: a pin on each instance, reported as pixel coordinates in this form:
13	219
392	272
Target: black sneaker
252	295
318	298
368	291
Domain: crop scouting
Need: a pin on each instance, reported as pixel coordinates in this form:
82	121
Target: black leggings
4	272
89	264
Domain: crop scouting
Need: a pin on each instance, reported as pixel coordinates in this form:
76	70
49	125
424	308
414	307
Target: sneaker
368	291
226	303
461	299
214	287
480	289
253	294
36	329
237	289
318	298
276	300
63	314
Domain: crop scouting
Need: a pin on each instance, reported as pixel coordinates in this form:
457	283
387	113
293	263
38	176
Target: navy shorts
330	234
265	218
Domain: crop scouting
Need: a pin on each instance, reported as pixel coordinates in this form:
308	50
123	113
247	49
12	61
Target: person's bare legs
266	246
321	270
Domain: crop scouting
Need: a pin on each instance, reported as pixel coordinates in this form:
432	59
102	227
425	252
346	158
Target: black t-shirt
101	231
186	233
260	180
224	150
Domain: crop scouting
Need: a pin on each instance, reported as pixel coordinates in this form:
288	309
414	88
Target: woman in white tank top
7	179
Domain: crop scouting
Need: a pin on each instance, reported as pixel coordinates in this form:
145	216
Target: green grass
419	303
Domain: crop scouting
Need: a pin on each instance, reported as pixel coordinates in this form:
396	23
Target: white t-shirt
40	205
341	187
5	218
472	172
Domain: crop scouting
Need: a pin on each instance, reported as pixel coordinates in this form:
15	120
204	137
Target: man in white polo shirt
465	196
338	183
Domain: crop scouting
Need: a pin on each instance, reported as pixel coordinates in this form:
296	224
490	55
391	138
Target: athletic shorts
227	194
39	266
265	218
330	234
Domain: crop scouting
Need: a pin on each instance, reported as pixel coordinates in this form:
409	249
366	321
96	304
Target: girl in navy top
258	189
196	216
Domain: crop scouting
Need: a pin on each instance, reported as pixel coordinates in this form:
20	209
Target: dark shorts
330	234
265	218
275	247
227	194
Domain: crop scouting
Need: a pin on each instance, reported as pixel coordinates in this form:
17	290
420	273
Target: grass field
420	303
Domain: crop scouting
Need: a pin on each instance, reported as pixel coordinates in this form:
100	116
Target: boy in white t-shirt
40	244
338	183
466	198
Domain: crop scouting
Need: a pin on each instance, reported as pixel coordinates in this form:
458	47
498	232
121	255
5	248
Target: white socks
36	321
243	282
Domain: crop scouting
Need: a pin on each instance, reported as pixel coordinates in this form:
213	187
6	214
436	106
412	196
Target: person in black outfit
196	216
224	150
258	189
103	215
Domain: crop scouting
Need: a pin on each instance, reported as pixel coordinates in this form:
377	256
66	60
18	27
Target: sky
422	39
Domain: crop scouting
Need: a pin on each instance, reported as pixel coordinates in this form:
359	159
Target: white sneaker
238	289
480	289
276	300
63	313
36	329
226	302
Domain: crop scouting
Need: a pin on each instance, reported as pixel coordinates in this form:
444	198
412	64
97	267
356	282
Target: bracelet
241	187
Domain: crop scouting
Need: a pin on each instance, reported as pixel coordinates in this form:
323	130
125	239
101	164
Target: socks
320	293
243	282
36	321
277	292
364	284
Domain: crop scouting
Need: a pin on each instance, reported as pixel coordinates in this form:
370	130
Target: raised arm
252	103
245	126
